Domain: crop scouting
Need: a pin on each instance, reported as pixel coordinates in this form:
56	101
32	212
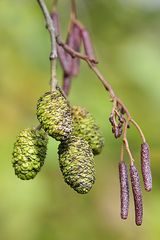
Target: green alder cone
54	114
77	164
29	153
84	126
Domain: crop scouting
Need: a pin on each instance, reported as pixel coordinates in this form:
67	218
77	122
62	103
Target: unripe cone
77	164
29	153
85	127
53	112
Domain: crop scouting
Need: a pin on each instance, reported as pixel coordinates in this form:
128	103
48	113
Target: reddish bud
60	50
66	84
145	167
137	194
87	44
124	189
74	42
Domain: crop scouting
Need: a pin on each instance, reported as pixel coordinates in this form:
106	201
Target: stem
73	53
122	153
53	54
139	130
73	9
125	141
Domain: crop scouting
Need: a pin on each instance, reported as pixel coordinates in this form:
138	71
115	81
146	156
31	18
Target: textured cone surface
85	127
54	114
77	164
29	153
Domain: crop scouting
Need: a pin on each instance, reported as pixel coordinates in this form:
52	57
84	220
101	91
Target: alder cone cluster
54	114
29	153
77	164
78	133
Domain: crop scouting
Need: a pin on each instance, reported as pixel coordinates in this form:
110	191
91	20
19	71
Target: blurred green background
126	36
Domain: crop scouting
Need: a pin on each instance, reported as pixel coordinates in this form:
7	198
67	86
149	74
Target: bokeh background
126	36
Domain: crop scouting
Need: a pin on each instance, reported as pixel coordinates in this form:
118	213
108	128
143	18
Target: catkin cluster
80	139
135	183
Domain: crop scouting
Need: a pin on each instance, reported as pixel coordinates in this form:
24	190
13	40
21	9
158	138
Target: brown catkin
124	189
145	167
137	194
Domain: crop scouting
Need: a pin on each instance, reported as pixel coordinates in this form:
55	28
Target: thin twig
122	153
51	29
73	53
125	141
139	130
73	9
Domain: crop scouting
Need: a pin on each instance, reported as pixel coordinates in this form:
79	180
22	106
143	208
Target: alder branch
53	54
92	64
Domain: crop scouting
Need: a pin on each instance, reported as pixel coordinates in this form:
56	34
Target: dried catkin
54	114
137	194
145	167
124	189
77	164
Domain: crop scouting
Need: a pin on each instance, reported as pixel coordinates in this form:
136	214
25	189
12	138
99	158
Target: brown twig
53	55
73	53
125	141
122	153
139	130
73	10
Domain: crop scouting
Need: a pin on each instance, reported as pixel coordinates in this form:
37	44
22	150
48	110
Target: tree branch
53	55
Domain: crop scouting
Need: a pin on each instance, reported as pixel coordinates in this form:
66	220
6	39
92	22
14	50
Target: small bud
121	119
145	167
124	189
111	119
118	132
137	194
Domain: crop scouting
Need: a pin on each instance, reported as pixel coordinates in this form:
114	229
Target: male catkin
137	194
145	167
124	189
